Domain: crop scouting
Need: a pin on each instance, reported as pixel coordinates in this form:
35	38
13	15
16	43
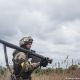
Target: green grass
2	70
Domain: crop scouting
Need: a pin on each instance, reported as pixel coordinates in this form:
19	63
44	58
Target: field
72	73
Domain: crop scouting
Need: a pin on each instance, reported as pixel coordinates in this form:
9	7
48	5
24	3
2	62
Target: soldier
22	67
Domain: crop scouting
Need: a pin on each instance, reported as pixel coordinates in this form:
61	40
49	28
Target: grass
47	74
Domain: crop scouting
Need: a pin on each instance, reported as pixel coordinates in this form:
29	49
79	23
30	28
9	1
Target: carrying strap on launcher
6	60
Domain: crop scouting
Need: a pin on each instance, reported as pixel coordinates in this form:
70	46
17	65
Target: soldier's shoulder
15	52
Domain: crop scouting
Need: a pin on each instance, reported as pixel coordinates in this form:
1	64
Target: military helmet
25	40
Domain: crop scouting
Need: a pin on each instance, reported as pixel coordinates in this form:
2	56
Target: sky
53	24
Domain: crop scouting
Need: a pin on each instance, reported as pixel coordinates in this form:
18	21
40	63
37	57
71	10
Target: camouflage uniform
22	67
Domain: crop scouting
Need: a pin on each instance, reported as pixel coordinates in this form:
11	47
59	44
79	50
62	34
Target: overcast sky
53	24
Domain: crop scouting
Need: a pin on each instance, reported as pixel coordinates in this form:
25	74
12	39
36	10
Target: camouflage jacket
20	60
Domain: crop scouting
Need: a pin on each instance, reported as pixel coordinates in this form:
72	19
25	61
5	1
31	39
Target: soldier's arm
23	61
25	64
33	66
20	57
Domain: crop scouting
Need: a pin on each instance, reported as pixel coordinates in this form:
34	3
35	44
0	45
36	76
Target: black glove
44	62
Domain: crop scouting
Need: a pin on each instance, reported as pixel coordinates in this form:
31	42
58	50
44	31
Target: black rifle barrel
21	49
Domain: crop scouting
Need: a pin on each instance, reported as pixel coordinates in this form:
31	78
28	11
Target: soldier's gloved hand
44	62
